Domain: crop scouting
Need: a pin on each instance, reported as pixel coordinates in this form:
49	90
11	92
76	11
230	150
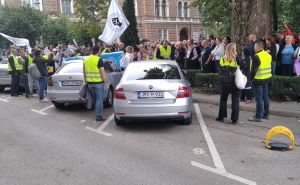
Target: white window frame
188	9
32	3
181	10
71	4
163	34
159	13
160	9
135	7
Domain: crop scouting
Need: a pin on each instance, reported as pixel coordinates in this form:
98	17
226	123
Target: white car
5	78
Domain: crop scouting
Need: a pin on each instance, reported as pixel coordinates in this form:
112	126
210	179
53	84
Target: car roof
154	62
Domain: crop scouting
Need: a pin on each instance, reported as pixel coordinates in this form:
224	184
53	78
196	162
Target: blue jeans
273	67
262	100
97	91
42	86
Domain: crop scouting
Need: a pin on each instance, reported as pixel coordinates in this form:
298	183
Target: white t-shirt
218	52
128	58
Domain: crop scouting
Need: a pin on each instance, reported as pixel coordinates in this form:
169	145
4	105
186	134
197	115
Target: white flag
116	23
18	41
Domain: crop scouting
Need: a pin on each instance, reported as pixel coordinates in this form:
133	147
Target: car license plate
71	83
151	94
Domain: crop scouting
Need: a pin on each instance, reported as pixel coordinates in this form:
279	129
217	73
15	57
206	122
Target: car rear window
152	71
71	68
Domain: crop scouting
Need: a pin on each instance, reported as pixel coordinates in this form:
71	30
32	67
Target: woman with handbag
228	67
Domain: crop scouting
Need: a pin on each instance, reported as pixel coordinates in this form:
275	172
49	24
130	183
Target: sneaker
100	119
265	117
44	100
234	122
254	119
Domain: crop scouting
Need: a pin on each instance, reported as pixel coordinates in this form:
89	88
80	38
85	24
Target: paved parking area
40	144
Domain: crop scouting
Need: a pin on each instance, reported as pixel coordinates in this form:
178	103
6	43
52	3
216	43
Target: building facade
173	20
157	20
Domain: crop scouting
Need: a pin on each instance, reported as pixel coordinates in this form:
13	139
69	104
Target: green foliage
91	10
84	32
289	11
283	88
22	22
216	15
130	36
56	31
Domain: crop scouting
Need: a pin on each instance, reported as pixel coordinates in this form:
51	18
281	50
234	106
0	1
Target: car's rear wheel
119	122
188	120
2	89
109	98
58	105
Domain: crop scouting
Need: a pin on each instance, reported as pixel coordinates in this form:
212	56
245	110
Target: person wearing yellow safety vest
95	77
261	73
31	81
24	74
14	69
50	63
151	53
227	70
164	51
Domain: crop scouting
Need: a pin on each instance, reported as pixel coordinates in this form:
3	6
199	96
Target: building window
163	8
66	7
2	2
157	8
179	9
163	35
186	10
136	8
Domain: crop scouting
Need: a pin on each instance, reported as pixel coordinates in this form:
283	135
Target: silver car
65	84
153	90
5	78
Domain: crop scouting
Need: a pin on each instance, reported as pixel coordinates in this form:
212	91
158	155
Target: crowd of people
261	59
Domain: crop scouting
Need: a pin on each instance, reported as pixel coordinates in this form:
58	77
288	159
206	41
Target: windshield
152	71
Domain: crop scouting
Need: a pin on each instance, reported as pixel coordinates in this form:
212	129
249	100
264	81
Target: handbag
240	79
297	66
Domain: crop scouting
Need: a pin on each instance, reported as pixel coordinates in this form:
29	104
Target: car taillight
119	94
50	82
183	92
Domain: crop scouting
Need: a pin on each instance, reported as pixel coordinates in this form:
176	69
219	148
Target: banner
18	41
114	57
116	23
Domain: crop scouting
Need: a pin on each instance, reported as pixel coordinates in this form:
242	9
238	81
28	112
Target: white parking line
212	148
42	111
220	169
100	129
4	100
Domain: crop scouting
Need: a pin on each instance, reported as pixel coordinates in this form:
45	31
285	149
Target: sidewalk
287	109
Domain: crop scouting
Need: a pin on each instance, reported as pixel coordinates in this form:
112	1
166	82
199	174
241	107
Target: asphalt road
43	145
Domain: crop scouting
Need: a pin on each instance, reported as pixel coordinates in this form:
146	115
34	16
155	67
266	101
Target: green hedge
283	89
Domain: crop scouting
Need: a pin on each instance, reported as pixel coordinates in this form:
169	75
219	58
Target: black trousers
14	86
226	89
247	94
287	69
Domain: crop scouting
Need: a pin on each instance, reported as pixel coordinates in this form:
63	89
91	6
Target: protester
228	66
252	40
151	53
14	70
205	52
180	55
216	54
95	77
42	67
261	74
247	93
297	60
24	73
192	56
271	49
286	56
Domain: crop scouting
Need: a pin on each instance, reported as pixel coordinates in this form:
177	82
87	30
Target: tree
216	16
252	16
22	22
56	31
130	36
91	10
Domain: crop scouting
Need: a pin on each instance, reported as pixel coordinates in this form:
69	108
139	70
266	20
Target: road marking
220	169
211	146
42	111
100	129
223	173
4	100
198	151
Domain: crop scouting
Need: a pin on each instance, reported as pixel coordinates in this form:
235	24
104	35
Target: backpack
34	71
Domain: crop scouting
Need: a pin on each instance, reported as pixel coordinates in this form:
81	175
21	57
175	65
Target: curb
277	112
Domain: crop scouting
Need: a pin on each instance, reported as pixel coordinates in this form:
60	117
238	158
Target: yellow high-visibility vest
104	50
18	66
30	59
165	53
91	69
265	68
224	63
153	56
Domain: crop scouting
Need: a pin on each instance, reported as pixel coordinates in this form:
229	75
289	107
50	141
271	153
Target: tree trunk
251	16
275	15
